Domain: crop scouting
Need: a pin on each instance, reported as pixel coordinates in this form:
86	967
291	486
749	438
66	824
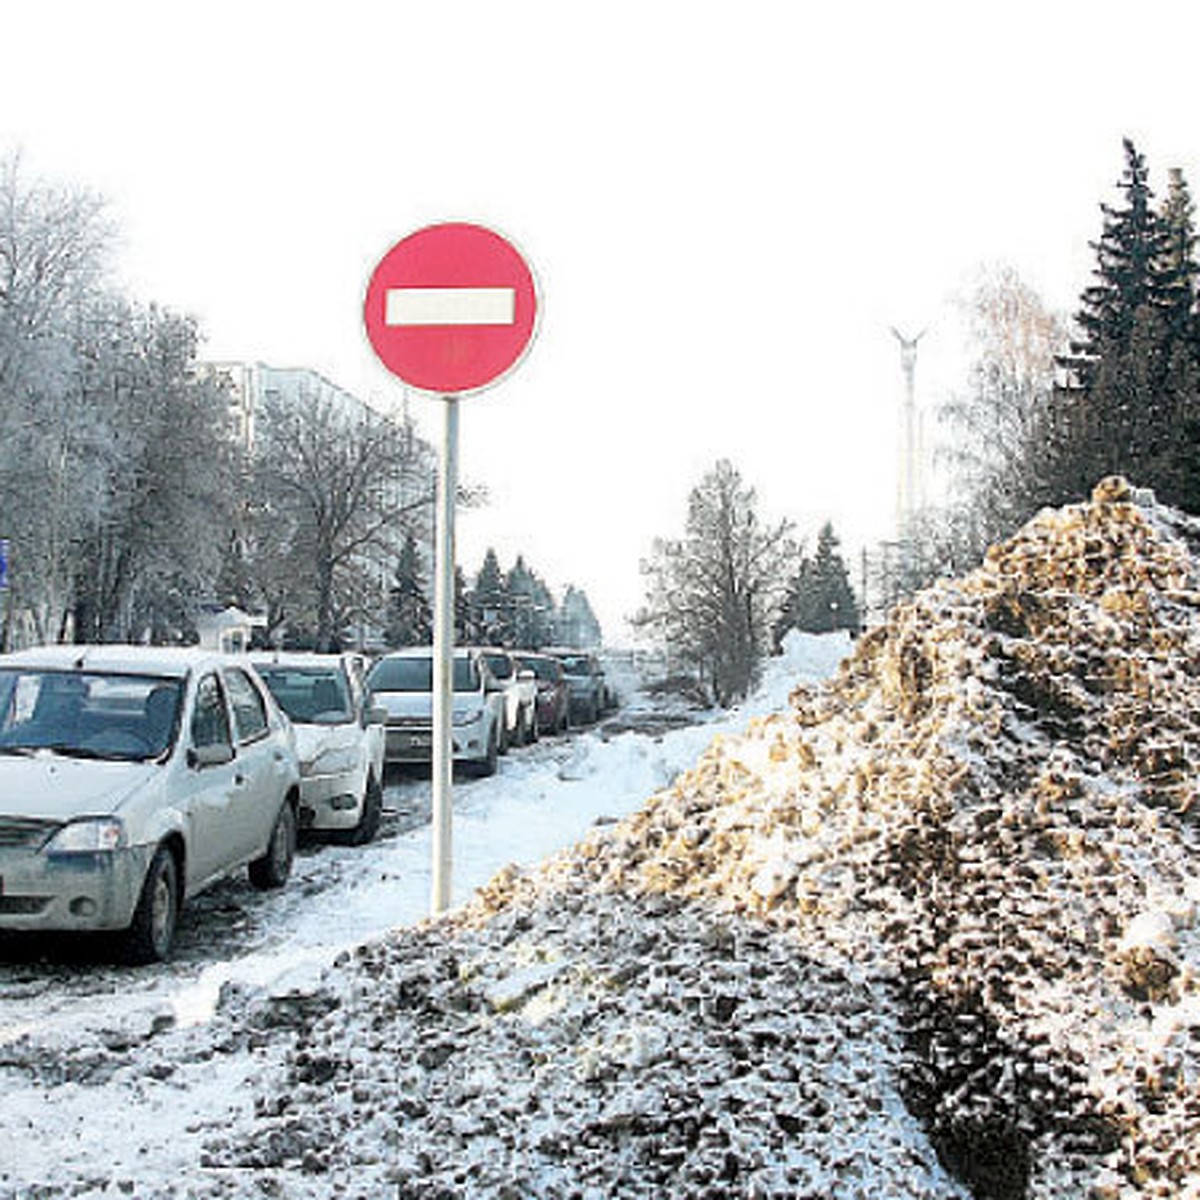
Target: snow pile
930	932
994	806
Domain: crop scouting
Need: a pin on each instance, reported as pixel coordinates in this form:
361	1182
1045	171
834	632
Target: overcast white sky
727	205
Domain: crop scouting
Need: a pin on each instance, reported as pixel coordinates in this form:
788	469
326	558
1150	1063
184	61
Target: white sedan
339	738
131	777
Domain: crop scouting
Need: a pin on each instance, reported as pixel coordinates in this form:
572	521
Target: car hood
311	740
53	788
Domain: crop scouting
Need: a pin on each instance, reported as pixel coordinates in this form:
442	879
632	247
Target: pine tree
1130	369
410	616
529	605
489	603
820	598
576	623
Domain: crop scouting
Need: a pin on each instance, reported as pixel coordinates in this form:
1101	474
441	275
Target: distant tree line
513	608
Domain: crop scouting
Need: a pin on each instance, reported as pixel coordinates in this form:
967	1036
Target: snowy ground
119	1082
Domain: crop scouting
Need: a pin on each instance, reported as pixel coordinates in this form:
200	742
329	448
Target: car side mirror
199	757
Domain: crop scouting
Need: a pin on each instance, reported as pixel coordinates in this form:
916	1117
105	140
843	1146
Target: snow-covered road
543	797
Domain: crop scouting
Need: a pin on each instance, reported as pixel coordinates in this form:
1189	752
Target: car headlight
333	761
468	716
92	836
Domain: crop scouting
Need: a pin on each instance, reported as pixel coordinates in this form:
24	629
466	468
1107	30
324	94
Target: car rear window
310	695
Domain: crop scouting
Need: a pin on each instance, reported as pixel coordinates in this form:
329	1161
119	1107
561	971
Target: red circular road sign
451	308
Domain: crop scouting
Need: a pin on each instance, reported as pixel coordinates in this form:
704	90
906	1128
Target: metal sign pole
443	660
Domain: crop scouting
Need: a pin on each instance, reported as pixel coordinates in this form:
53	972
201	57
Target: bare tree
338	488
713	595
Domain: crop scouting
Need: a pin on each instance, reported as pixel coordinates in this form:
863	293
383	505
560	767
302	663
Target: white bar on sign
450	306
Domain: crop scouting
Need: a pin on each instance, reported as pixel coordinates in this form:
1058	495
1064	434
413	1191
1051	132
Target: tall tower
907	481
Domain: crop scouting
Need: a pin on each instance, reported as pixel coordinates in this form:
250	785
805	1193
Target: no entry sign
451	308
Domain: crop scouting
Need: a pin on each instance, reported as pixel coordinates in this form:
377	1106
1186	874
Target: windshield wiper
69	751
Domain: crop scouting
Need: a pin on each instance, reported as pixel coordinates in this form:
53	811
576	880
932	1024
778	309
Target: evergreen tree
410	615
1132	372
820	598
530	607
489	603
576	623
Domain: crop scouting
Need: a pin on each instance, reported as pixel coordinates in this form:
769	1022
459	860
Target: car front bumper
332	801
414	743
67	892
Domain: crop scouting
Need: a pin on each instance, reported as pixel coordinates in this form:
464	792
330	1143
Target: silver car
339	738
131	778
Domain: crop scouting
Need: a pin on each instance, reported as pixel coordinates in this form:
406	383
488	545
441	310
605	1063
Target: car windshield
544	668
416	675
310	695
578	664
500	665
87	714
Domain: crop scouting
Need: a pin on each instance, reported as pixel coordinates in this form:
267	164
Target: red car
553	694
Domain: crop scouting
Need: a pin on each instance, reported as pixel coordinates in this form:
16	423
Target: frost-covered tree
995	424
54	253
155	537
337	491
714	594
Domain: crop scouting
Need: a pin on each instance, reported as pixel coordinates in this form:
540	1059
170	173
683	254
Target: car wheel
273	869
372	810
151	933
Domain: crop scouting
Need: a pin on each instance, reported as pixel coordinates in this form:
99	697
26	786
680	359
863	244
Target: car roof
297	658
425	652
169	661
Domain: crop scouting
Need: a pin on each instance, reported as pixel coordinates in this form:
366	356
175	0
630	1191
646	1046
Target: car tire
151	933
273	869
372	811
487	765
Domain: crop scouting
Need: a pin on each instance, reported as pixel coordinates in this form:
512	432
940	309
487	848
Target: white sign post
450	309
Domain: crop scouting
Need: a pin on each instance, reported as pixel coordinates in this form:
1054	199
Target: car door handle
239	779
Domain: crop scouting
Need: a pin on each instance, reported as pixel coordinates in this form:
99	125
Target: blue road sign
3	563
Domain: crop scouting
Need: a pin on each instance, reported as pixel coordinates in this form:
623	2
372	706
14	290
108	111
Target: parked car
553	694
520	696
402	683
590	695
130	779
339	739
